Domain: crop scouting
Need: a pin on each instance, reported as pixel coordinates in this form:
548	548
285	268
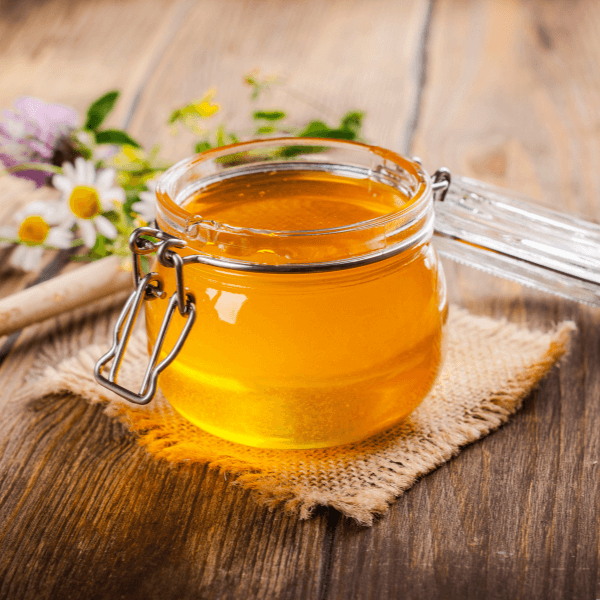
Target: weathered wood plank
71	52
338	54
510	98
91	515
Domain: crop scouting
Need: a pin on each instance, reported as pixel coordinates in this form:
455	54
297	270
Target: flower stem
18	242
32	167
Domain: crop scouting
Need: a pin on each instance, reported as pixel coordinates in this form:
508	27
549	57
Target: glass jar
297	300
305	336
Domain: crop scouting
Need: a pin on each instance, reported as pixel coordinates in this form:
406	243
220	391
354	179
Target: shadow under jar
319	320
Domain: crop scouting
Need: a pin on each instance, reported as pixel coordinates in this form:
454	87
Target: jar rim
398	229
177	170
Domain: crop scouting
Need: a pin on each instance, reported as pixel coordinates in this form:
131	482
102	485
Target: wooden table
505	91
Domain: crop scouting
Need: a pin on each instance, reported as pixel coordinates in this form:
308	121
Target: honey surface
295	200
304	360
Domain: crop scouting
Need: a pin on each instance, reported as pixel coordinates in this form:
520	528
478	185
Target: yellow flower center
84	202
33	230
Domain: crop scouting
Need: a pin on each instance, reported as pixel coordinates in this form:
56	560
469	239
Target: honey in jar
319	299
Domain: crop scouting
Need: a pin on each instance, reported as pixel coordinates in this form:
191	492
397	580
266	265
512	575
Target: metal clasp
441	183
148	287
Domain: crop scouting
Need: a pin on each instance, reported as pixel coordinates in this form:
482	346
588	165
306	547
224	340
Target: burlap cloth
490	367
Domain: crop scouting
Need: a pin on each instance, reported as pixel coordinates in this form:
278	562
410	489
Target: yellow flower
40	224
88	194
33	230
128	155
191	114
204	107
84	202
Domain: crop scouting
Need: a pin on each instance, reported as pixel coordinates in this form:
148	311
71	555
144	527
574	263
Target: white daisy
89	193
39	224
146	207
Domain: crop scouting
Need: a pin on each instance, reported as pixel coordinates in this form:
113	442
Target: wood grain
506	91
516	516
339	55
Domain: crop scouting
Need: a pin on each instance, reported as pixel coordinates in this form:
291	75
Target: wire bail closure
147	288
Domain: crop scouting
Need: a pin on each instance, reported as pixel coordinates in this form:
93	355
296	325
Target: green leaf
339	134
352	121
115	136
291	151
176	115
315	129
268	115
100	248
265	129
221	136
318	129
99	110
202	146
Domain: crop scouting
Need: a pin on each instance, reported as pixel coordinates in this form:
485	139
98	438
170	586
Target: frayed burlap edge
491	367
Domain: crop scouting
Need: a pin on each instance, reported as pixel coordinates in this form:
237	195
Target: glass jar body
319	299
306	360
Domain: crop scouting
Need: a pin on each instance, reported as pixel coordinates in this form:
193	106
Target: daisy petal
145	210
7	231
90	173
109	197
37	207
105	227
105	179
59	238
18	257
88	233
26	258
69	172
80	171
149	197
59	214
33	258
63	183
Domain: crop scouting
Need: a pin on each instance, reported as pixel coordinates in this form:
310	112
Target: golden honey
310	358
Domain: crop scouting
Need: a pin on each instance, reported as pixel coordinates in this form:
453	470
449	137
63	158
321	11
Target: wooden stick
65	292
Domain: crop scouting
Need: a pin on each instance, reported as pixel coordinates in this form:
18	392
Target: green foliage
291	151
195	112
115	136
202	146
257	84
269	123
99	110
101	247
353	121
349	128
268	115
222	137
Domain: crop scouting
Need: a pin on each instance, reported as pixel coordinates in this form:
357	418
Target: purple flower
34	132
